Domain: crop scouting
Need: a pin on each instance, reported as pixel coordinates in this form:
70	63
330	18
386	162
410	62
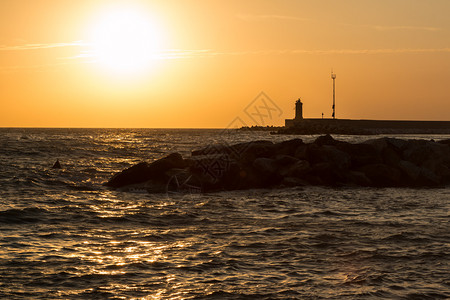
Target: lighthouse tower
298	110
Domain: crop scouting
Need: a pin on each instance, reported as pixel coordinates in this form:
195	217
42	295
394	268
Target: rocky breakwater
382	162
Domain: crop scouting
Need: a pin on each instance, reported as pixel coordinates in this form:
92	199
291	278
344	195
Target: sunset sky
199	64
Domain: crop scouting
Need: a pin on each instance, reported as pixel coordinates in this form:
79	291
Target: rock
411	170
236	178
378	144
361	154
248	152
444	173
298	169
380	162
397	144
302	152
257	148
382	175
248	178
294	181
183	182
433	164
328	174
445	142
288	147
266	169
133	175
174	160
265	165
388	149
358	179
330	154
285	160
143	171
56	165
428	178
326	140
384	142
212	150
390	156
213	165
218	172
418	153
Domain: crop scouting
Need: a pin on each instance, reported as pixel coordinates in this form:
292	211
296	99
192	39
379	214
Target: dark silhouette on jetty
300	125
382	162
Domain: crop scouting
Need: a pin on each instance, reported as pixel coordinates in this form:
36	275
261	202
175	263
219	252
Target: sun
125	40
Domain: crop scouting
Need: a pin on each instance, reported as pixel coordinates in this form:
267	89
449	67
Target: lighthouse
298	110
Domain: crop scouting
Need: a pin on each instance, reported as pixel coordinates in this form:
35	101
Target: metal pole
333	76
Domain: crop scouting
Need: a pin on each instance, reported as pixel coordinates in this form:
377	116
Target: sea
64	235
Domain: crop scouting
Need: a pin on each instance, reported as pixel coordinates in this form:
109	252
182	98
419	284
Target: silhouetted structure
333	76
301	125
298	110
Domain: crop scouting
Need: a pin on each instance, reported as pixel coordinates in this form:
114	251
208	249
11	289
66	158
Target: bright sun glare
125	40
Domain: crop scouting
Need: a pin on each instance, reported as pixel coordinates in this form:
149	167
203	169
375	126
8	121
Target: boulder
327	140
248	152
378	144
267	171
428	178
444	172
288	147
390	156
419	153
298	169
358	178
213	165
143	171
329	154
328	174
382	175
265	165
397	144
388	149
212	150
285	160
183	182
411	171
361	154
257	148
445	142
135	174
302	152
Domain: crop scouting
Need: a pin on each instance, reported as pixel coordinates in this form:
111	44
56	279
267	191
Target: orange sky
198	64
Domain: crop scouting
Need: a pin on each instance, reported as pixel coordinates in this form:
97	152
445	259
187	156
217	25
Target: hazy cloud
40	46
34	68
37	46
414	28
174	54
85	56
252	17
372	51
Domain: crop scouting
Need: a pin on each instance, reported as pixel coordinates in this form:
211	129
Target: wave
25	215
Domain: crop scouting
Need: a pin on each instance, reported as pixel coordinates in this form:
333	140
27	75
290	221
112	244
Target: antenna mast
333	76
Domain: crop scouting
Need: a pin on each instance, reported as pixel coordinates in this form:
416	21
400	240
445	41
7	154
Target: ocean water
63	235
